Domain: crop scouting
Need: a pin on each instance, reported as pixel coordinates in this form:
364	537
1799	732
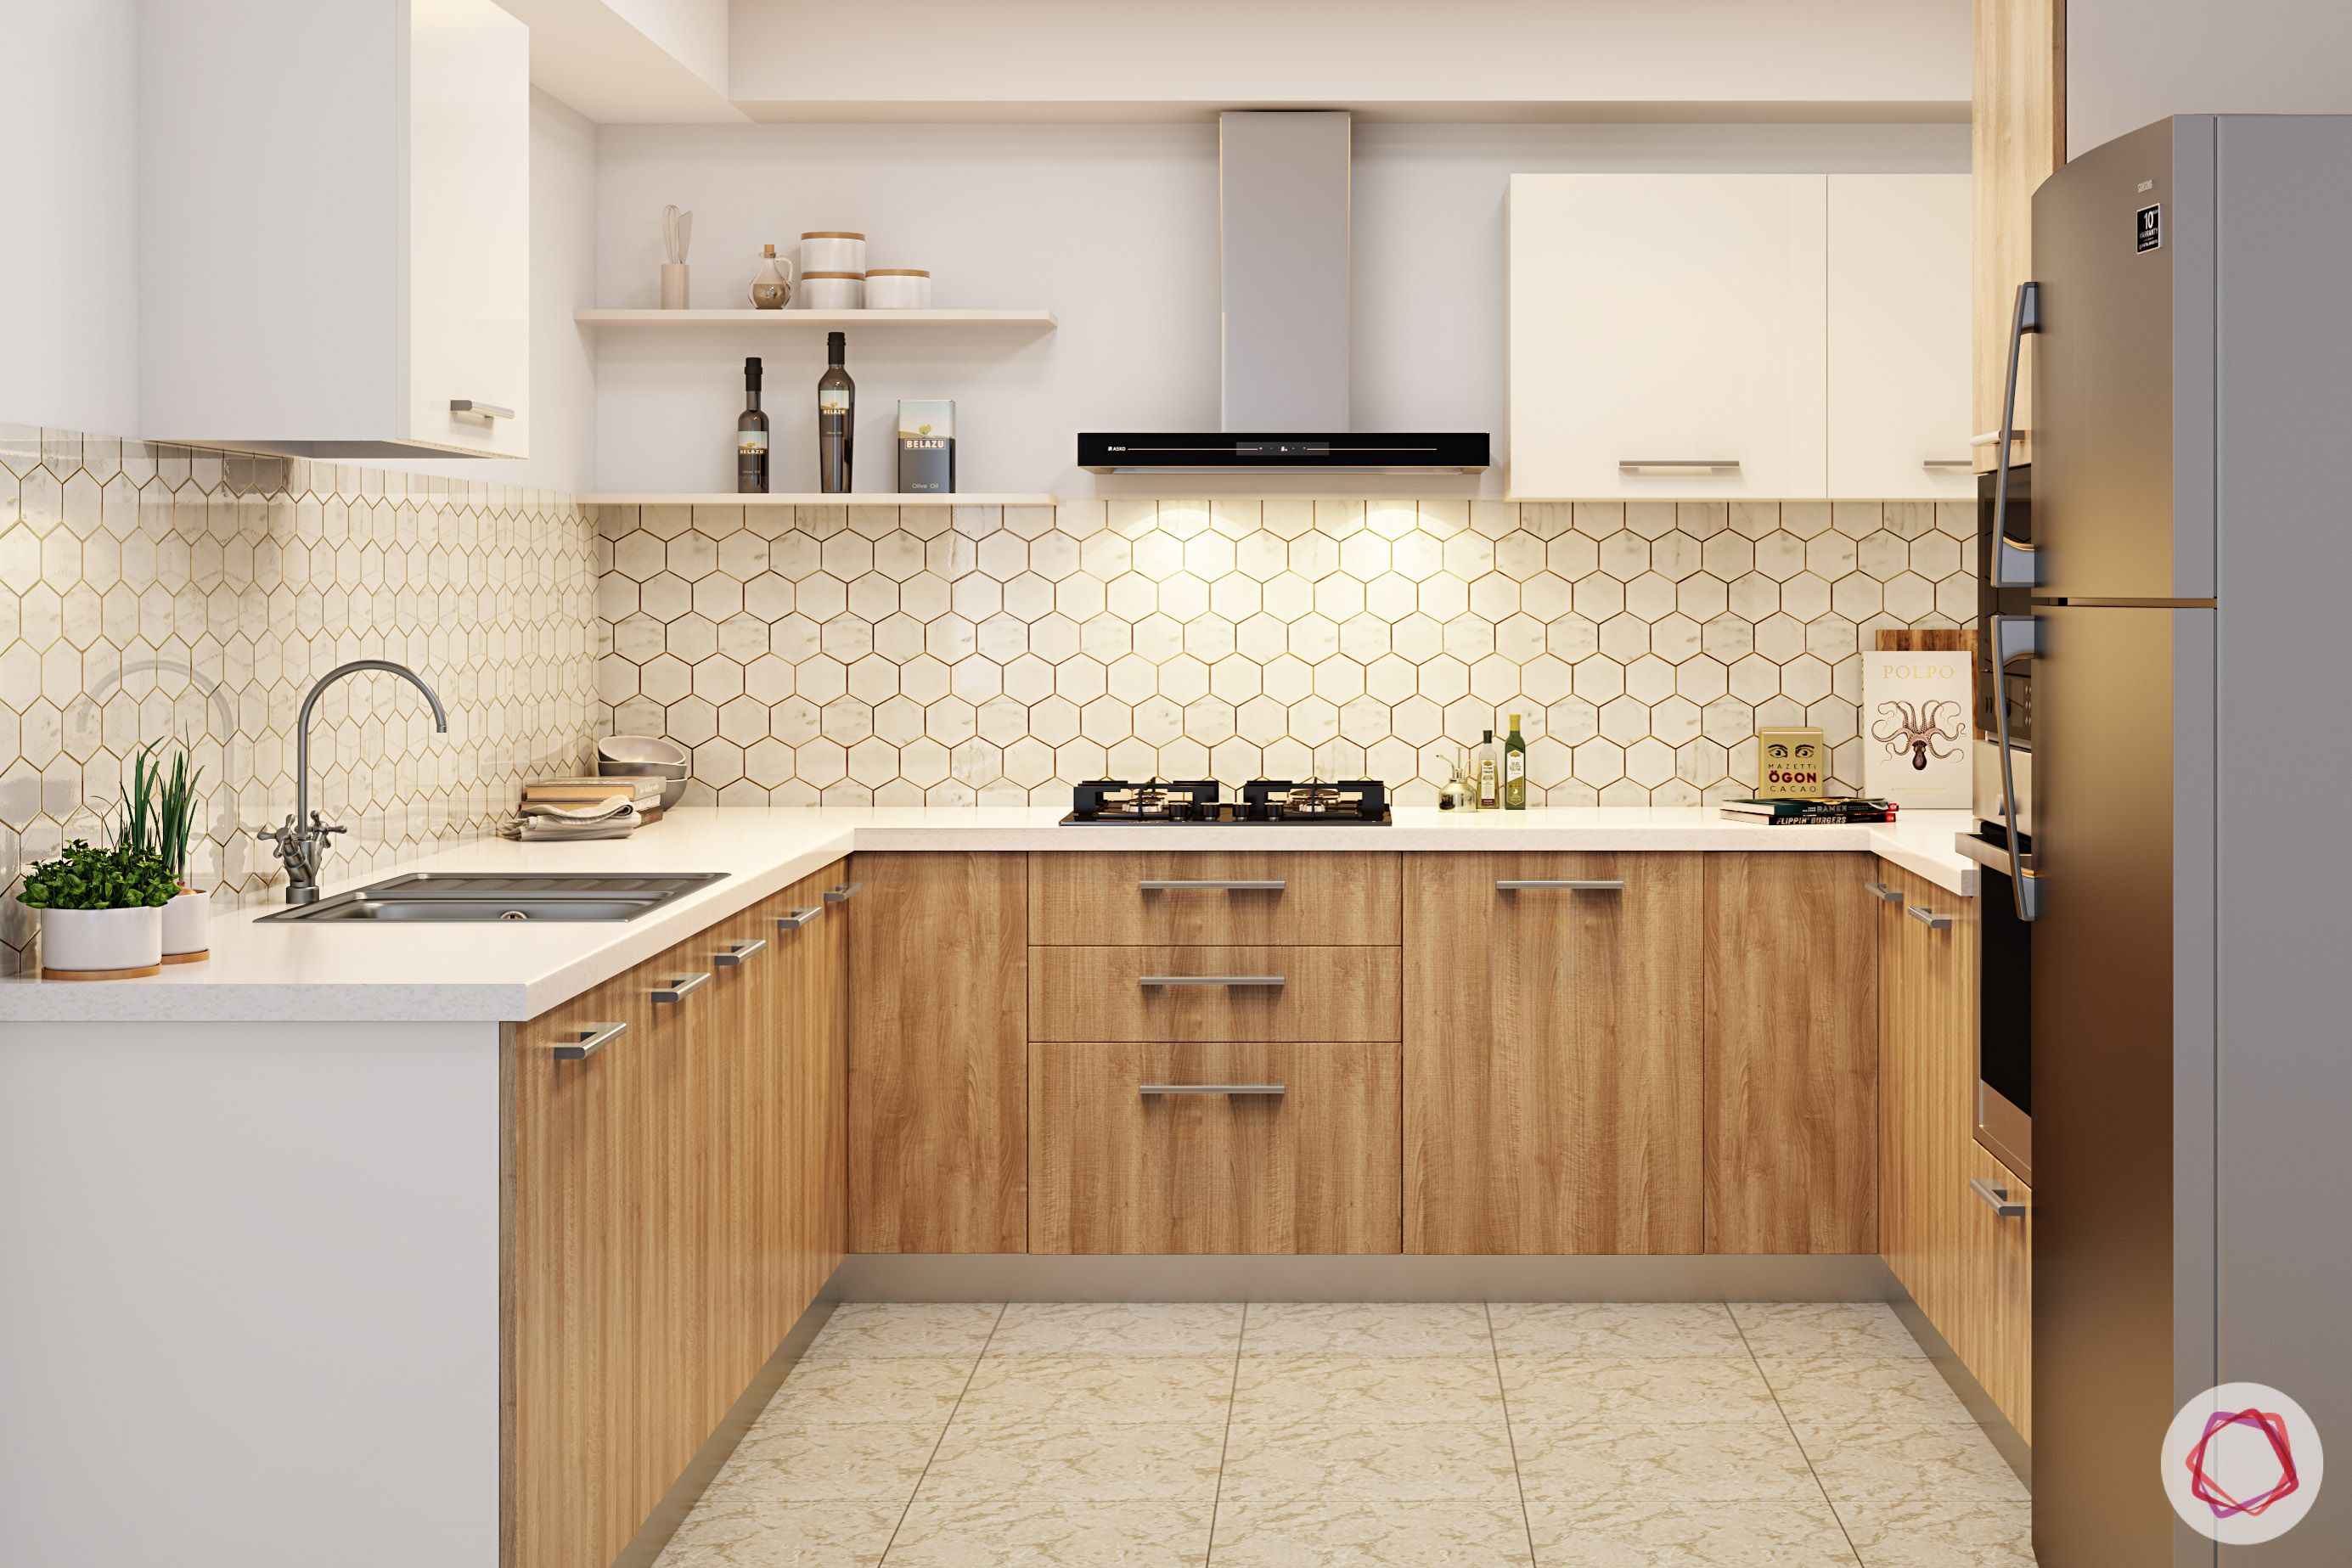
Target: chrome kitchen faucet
301	839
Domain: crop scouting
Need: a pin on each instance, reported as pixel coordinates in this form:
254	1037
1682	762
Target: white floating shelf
1042	320
855	499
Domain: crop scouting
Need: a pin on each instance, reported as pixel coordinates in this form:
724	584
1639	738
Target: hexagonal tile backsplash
147	592
993	655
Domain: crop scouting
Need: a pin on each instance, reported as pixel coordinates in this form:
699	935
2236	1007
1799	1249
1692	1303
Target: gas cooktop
1361	802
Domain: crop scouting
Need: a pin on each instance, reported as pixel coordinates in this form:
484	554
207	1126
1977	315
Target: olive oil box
1790	764
926	446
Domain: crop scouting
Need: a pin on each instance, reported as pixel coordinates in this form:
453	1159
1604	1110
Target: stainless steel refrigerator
2191	866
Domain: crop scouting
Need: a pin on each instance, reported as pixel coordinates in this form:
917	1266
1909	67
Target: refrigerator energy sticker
2150	227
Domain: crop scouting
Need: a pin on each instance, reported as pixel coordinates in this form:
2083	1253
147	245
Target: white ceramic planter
187	928
101	944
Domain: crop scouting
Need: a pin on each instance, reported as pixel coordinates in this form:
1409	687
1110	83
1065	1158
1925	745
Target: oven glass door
2004	1026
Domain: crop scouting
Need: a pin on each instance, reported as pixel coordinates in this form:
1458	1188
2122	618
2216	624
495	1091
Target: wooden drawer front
1330	899
1119	993
1114	1169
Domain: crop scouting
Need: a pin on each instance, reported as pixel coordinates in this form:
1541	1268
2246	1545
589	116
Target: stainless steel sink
461	897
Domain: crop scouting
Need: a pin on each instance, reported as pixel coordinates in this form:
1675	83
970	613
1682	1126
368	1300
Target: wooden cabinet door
577	1348
2017	139
1898	337
1552	1054
939	1143
1926	1009
1213	898
1123	1166
1253	993
1792	1053
810	1005
1999	1254
1666	319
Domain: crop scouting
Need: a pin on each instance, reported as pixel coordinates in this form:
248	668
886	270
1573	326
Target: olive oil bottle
1515	768
836	420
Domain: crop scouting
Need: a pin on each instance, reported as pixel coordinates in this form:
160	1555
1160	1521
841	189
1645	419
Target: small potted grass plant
159	815
102	911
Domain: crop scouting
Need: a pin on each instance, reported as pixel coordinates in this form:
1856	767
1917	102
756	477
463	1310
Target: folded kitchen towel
540	821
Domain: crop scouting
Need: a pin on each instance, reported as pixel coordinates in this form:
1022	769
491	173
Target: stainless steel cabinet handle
841	894
1177	884
1210	979
1572	884
681	986
1996	1198
1678	466
2014	565
1275	1088
732	956
1885	892
479	409
794	919
594	1037
1941	465
1929	918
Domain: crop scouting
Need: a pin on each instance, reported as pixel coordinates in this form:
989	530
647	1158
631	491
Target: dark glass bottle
836	419
751	438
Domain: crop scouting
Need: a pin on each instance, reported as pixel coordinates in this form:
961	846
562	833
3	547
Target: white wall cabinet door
335	209
1898	336
1667	319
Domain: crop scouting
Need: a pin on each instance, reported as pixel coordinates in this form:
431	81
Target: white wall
1114	228
69	238
562	279
2130	62
799	59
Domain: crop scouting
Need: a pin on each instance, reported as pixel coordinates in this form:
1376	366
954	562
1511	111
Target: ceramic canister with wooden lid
833	250
897	289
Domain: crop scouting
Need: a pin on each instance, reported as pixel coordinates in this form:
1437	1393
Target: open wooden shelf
1039	320
855	499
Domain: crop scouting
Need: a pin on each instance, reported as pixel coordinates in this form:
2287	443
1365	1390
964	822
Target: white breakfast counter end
250	1210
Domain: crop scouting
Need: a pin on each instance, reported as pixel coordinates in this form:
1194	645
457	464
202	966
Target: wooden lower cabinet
675	1203
1791	1054
1968	1268
938	1047
1252	993
1119	1165
1553	1053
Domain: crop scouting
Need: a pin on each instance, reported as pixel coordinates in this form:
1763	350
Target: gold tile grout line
937	1443
1520	1481
1827	1501
1232	1396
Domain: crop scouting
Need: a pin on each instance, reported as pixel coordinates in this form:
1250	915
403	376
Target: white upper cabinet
1898	357
335	226
1778	336
1667	336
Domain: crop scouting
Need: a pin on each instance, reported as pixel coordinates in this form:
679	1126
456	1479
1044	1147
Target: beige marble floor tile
800	1462
1930	1532
1346	1328
1118	1328
1333	1532
1860	1460
1636	1393
747	1533
1369	1388
941	1330
1727	1462
1272	1458
1078	1464
1824	1392
1852	1329
1617	1328
903	1390
1640	1532
1045	1532
1098	1390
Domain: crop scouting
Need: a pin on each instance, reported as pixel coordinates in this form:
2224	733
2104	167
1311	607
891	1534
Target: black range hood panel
1220	452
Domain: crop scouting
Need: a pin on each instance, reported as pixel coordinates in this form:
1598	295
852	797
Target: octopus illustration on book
1919	730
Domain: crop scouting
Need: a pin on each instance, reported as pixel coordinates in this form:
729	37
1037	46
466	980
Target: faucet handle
279	833
320	827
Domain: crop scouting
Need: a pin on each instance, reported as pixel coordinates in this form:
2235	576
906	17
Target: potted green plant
159	815
102	911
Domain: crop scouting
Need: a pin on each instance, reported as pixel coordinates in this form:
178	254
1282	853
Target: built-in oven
2004	1094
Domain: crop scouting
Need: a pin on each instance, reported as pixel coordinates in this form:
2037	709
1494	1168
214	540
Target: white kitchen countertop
292	972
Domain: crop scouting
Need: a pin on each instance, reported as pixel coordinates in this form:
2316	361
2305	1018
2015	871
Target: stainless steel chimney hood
1283	237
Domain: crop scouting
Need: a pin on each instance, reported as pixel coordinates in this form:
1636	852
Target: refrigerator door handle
2014	637
2015	564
